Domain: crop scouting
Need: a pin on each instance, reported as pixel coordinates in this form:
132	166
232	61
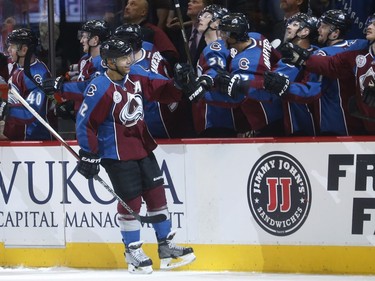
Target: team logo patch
117	97
360	60
279	193
244	64
215	46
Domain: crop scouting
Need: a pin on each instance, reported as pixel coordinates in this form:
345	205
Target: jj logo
279	193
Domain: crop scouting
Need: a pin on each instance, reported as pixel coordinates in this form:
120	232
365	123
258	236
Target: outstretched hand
293	54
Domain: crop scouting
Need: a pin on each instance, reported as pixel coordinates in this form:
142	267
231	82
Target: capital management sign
279	193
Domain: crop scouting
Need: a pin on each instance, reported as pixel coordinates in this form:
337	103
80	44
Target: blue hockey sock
162	229
130	236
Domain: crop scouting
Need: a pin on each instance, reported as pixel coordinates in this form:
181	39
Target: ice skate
138	262
172	255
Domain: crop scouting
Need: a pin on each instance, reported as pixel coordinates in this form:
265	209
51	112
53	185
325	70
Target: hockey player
91	35
26	78
111	131
163	120
211	120
301	30
243	83
331	109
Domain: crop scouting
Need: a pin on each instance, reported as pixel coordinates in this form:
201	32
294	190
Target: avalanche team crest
279	193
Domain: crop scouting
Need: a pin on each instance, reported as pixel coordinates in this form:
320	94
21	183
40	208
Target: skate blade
166	264
140	270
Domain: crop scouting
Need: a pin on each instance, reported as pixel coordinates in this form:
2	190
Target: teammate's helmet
98	28
23	36
236	25
132	33
338	19
216	11
305	20
115	48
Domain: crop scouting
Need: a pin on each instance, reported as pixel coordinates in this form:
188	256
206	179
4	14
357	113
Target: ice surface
69	274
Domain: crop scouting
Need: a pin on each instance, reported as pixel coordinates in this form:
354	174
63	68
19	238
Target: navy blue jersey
20	123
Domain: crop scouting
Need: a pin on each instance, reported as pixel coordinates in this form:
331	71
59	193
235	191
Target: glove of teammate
65	110
88	165
3	108
368	96
231	85
183	75
276	83
53	85
293	54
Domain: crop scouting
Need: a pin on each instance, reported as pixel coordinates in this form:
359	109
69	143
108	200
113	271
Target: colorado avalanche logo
367	79
279	193
215	46
38	79
132	110
360	61
244	64
91	90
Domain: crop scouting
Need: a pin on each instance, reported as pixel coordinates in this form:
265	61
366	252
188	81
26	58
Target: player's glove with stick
3	108
293	54
183	75
368	96
276	83
191	86
53	85
231	85
88	165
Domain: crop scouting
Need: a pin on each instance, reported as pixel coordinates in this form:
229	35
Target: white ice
69	274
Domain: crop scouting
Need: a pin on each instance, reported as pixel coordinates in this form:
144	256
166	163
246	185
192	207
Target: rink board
266	205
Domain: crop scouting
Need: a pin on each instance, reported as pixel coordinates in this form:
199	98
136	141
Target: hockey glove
88	165
183	75
293	54
276	83
65	110
368	96
3	108
231	85
53	85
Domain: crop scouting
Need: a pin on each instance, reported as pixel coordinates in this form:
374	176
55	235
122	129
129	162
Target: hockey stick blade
142	219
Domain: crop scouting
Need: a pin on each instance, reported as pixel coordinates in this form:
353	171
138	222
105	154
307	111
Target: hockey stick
186	41
143	219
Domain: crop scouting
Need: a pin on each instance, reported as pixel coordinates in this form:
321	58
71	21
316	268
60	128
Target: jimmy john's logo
279	193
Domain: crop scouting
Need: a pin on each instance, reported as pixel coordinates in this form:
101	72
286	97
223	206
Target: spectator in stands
136	11
196	39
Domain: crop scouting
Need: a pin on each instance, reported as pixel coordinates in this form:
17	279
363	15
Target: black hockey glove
368	96
88	165
53	85
65	110
3	108
183	75
231	85
276	83
293	54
